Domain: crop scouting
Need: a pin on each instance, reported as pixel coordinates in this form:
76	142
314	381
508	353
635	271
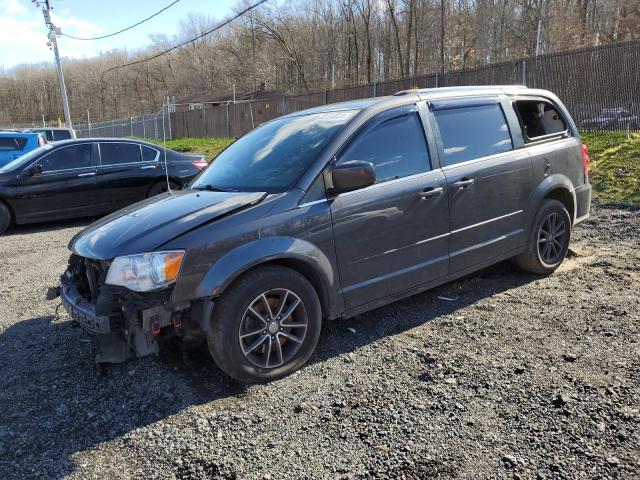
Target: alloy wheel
273	328
551	239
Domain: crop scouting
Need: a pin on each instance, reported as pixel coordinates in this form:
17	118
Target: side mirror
352	175
34	170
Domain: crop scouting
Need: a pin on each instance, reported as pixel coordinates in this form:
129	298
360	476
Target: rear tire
265	326
5	218
548	240
161	187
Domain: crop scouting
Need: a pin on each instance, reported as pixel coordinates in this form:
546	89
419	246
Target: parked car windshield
272	157
24	159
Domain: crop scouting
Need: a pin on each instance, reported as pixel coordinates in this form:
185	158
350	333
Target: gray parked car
612	119
328	213
54	134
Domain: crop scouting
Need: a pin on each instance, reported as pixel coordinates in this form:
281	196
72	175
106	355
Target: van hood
147	225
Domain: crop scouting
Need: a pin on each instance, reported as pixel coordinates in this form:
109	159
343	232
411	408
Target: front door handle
89	174
464	183
430	192
147	167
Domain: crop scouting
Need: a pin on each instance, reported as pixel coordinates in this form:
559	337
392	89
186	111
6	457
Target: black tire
548	242
161	187
231	314
5	218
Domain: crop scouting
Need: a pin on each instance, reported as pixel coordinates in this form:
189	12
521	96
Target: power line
124	29
182	44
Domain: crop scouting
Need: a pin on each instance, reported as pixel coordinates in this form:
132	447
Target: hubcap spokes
551	238
273	328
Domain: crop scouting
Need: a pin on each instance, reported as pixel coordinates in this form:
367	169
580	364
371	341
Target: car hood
145	226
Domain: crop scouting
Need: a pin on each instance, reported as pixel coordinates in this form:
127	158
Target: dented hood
147	225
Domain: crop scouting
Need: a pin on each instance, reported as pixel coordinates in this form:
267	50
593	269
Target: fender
550	183
300	254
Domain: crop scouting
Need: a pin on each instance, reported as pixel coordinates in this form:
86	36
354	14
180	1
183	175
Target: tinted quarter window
396	147
75	156
539	118
60	135
116	153
10	144
472	132
148	154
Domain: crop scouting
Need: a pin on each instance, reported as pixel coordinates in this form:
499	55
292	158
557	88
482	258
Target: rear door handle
147	167
89	174
462	184
431	192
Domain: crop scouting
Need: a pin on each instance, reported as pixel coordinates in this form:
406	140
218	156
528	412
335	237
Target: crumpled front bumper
83	311
122	324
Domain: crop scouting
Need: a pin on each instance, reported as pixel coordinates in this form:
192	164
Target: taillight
585	158
200	163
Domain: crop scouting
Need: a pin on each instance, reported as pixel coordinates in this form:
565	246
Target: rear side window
118	153
396	147
76	156
46	134
9	144
60	135
149	154
472	132
539	119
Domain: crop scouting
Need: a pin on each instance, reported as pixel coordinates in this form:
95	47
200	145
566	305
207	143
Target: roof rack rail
459	88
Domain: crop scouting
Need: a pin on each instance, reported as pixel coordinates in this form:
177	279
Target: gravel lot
518	377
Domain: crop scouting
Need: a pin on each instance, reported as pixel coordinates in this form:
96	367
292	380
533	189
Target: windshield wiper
212	188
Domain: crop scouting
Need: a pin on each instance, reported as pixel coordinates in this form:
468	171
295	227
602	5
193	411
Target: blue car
14	145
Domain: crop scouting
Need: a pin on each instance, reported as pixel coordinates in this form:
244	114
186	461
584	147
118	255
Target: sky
23	34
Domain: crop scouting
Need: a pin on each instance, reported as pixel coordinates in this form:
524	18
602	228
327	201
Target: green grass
209	147
615	162
615	166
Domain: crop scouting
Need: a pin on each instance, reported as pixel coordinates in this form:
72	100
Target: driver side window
394	144
65	158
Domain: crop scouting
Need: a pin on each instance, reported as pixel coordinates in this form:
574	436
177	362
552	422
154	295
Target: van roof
470	89
427	94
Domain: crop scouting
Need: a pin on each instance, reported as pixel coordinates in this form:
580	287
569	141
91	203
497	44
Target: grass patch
209	147
615	166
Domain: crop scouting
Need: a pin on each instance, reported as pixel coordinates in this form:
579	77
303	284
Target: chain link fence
599	85
155	126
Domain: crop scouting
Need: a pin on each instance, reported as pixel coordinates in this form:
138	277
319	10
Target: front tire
266	325
548	240
5	218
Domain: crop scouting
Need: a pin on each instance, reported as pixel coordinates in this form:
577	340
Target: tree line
309	45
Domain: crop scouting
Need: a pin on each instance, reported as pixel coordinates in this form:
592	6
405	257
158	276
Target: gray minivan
327	213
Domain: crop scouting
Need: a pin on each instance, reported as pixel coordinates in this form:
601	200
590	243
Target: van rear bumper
583	202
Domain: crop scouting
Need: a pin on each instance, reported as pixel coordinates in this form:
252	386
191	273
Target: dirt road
516	377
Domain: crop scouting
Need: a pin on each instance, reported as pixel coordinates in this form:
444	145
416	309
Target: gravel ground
518	377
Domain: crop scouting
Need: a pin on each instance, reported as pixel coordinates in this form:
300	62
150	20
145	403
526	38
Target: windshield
24	159
272	157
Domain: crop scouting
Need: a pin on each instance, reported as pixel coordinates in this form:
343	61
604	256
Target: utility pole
442	16
53	44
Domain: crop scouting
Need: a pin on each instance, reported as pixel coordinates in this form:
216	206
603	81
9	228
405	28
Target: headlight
146	271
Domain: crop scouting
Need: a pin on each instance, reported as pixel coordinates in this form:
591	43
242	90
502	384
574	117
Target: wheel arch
12	213
557	187
296	254
565	197
158	181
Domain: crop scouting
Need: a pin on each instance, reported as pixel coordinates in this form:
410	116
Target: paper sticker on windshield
341	116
